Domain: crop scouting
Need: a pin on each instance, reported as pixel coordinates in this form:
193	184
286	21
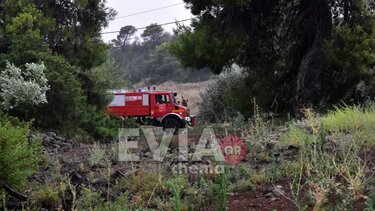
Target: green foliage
90	200
176	185
205	47
102	126
97	81
222	194
153	33
66	37
323	172
351	56
221	99
296	136
18	155
349	119
369	204
296	54
66	98
47	197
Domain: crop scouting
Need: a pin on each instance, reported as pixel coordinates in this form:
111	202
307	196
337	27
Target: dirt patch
263	199
190	91
267	198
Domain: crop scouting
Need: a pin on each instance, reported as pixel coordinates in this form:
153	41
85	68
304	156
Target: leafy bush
103	127
222	98
18	156
23	89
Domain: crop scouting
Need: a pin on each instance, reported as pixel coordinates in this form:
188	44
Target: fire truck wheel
171	122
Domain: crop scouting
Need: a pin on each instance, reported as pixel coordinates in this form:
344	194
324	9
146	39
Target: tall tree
283	46
65	35
124	36
153	33
149	61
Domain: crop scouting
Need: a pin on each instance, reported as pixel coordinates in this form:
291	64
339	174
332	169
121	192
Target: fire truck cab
156	108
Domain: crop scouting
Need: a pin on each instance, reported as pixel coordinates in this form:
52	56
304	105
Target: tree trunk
311	66
317	26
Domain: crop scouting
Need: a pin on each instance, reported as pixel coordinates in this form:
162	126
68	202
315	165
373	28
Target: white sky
127	7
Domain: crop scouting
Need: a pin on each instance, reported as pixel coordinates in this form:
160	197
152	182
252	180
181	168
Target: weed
297	184
97	154
296	136
369	204
89	199
47	197
142	186
258	177
223	192
273	172
3	200
289	168
176	185
349	119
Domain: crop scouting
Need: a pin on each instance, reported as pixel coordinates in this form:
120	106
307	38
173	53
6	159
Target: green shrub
103	127
18	156
176	185
89	199
349	119
223	98
296	136
47	197
143	185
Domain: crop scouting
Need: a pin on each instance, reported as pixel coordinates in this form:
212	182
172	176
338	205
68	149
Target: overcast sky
128	7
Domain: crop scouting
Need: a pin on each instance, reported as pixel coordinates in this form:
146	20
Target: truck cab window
162	99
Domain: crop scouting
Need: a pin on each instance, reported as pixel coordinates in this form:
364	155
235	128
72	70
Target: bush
18	156
223	99
23	90
103	127
47	197
89	199
143	185
296	136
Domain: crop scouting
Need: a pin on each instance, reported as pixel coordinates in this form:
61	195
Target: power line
138	13
163	24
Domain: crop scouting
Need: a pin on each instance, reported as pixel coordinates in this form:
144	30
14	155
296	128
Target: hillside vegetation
294	82
309	164
146	59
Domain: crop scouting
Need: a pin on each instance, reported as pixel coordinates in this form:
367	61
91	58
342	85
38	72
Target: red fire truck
151	107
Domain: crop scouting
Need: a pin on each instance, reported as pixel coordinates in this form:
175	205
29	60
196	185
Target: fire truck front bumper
191	121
